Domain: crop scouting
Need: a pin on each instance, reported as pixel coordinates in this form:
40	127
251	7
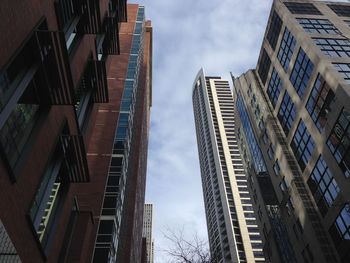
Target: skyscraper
294	117
231	221
147	231
75	93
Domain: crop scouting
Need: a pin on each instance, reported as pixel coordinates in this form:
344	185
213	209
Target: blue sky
220	36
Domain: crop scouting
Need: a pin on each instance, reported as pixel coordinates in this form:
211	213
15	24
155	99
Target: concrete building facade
233	232
65	72
294	116
147	231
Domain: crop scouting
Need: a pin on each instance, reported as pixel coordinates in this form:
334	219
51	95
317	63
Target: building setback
147	231
231	221
75	95
294	119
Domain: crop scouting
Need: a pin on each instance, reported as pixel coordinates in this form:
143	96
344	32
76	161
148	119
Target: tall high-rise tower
233	232
147	231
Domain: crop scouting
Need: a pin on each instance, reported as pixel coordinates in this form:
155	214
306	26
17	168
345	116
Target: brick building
75	94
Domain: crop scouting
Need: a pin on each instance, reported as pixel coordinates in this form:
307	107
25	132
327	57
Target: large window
343	222
286	113
320	26
340	10
339	141
323	186
319	102
333	47
264	66
286	49
302	145
344	70
51	191
255	151
301	72
274	87
17	129
302	8
274	29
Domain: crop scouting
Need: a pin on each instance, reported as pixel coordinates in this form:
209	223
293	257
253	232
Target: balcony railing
75	158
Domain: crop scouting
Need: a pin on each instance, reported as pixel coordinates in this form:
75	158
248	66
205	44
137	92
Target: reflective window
276	168
274	30
264	66
339	142
302	8
333	47
286	113
319	102
344	70
340	10
302	145
286	49
323	186
17	129
274	87
321	26
255	151
301	73
271	151
343	222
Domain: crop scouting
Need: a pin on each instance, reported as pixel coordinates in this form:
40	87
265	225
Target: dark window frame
286	49
319	102
301	73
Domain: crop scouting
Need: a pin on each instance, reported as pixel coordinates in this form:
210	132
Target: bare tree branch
183	250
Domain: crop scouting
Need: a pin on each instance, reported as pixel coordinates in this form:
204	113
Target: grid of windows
302	145
343	222
333	47
286	113
339	141
319	102
344	70
321	26
264	66
286	49
301	72
340	10
323	186
274	87
274	30
302	8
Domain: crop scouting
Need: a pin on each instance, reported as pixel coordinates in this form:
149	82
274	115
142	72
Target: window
274	30
340	10
320	26
339	142
274	87
286	113
301	73
323	186
283	185
302	8
46	204
17	129
333	47
302	145
319	102
343	222
276	168
344	70
264	66
286	49
271	151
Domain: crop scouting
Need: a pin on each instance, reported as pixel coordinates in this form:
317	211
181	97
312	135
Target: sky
221	36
